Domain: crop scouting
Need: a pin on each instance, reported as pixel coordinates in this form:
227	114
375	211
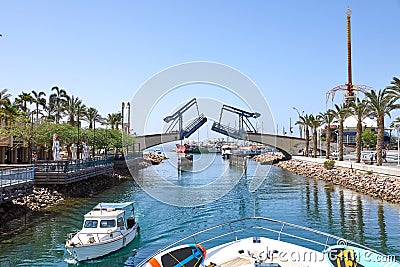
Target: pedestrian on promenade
384	155
371	157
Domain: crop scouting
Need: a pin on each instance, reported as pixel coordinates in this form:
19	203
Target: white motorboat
107	228
262	242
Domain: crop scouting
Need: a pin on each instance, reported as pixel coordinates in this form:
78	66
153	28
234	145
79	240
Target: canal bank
43	197
285	196
380	182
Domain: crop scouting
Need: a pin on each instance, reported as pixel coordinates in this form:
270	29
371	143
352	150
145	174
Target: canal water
282	195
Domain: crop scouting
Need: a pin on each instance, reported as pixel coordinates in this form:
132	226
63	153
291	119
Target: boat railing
278	230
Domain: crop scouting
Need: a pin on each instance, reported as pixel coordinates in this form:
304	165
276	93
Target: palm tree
342	111
314	123
360	110
304	121
58	100
71	107
111	120
4	98
22	100
91	116
118	119
328	117
381	103
39	100
394	84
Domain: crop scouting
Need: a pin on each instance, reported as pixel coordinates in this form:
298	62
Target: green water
282	196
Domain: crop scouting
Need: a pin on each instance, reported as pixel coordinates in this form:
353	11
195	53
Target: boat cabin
108	217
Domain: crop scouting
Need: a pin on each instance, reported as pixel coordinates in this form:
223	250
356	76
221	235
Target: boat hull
96	250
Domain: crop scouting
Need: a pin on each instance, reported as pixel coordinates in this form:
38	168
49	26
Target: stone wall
382	187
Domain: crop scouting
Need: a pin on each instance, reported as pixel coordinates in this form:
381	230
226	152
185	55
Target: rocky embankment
382	187
266	158
155	158
42	198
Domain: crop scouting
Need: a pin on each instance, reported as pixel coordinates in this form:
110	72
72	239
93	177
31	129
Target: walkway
389	169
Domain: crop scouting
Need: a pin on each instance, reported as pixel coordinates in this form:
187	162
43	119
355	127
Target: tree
71	107
4	98
39	100
360	110
381	103
395	84
368	137
57	102
314	123
342	111
304	121
328	117
22	100
91	116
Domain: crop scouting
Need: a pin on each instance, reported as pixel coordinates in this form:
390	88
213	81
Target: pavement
389	168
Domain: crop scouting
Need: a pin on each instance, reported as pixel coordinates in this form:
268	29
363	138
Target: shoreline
386	188
44	197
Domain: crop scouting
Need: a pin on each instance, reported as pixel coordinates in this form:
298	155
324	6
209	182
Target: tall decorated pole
350	93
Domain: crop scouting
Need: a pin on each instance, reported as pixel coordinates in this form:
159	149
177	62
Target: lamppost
300	126
94	136
397	126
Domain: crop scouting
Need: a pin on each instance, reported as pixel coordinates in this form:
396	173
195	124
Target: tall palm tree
381	103
328	117
314	123
360	110
39	100
22	100
4	98
71	107
118	119
305	122
395	84
111	119
342	111
58	100
91	116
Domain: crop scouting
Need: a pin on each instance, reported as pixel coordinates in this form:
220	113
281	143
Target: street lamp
300	126
397	126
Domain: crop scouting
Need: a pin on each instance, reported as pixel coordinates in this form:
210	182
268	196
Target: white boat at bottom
107	228
262	242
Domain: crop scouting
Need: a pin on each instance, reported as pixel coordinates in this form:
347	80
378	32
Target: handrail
254	220
72	165
11	176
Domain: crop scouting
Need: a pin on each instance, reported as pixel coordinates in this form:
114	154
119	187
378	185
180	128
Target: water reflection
382	227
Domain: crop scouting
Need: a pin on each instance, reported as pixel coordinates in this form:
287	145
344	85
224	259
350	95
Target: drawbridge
245	125
177	119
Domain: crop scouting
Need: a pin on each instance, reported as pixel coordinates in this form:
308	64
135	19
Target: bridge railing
226	130
13	176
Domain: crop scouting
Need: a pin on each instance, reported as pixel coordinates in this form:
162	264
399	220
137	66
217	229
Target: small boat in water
107	228
262	242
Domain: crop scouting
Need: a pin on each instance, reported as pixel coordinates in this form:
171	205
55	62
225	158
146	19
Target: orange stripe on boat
203	249
153	262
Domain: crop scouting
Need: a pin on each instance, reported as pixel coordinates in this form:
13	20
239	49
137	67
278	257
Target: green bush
329	164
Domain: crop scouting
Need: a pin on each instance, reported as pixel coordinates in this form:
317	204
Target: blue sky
102	51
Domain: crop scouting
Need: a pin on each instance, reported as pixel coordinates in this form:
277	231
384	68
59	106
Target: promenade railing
12	176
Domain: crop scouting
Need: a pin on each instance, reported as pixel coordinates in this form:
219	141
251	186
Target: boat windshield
107	223
90	224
